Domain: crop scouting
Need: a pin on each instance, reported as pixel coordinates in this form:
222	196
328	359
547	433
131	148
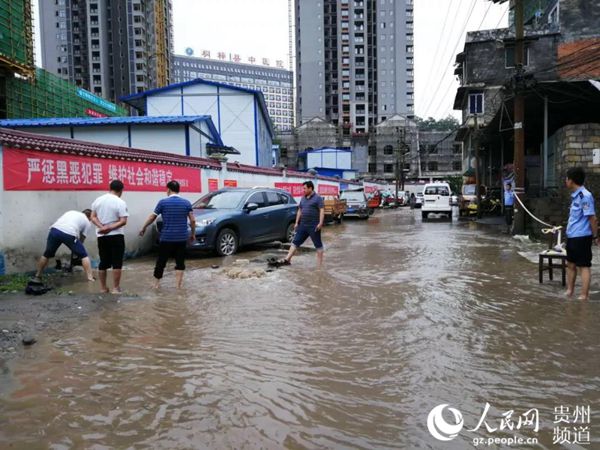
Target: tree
455	183
448	124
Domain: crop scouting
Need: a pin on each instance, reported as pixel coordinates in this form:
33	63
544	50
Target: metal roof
32	141
129	120
138	100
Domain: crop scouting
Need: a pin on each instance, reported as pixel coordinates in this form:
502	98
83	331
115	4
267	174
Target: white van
436	199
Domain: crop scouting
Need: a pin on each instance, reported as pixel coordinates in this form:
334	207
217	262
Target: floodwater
404	316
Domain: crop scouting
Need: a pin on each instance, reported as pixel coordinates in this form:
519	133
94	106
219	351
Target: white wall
329	159
232	112
114	135
23	230
169	139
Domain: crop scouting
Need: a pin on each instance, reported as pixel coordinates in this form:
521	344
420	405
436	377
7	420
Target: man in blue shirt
309	221
509	203
175	212
582	230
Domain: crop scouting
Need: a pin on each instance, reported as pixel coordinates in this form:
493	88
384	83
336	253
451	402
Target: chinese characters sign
41	171
230	183
213	184
327	189
296	189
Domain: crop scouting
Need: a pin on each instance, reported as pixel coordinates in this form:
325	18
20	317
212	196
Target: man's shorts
57	237
111	250
304	232
579	251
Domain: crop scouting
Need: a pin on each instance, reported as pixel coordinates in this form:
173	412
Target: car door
255	224
277	214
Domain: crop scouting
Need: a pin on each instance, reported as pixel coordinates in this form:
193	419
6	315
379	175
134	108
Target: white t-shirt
109	208
73	223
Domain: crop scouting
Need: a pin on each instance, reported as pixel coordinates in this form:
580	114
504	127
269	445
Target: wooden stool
551	255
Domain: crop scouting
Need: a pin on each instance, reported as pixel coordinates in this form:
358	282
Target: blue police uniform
509	198
579	228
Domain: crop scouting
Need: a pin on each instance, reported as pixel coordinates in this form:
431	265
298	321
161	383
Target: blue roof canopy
138	100
133	120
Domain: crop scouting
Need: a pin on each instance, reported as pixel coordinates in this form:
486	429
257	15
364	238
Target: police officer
509	203
582	231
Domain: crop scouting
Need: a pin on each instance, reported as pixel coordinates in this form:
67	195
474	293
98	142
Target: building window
372	168
456	165
388	168
510	57
372	151
457	149
432	166
476	103
388	150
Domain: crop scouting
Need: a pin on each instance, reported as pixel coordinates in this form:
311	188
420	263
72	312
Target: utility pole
519	119
399	133
477	177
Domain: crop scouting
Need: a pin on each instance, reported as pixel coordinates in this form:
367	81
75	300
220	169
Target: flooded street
404	316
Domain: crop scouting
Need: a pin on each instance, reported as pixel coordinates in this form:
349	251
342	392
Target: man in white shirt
109	214
71	230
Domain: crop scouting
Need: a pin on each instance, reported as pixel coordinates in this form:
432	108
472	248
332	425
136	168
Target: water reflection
405	316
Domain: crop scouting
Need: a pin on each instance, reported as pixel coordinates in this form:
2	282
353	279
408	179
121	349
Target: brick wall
575	145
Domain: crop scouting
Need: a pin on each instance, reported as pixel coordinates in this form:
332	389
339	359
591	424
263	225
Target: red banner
93	113
26	170
370	189
327	189
213	185
230	183
296	189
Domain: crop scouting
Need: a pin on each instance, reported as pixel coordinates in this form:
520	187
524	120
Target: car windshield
437	190
220	200
469	189
353	195
420	194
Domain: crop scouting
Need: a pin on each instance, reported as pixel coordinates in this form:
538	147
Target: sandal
274	262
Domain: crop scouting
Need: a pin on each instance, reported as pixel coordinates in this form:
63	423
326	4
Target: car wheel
289	233
227	242
424	215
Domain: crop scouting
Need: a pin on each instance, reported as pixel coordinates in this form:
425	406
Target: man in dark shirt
309	221
175	212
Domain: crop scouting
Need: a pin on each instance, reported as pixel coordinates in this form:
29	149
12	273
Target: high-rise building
275	83
110	47
354	62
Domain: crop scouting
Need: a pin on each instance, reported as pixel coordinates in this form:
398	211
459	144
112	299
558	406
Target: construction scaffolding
47	95
162	54
16	40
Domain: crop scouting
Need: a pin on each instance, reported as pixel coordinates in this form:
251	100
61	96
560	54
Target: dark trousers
168	250
508	215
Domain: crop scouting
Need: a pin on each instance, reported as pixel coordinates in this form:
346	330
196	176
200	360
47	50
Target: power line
450	87
452	55
445	48
438	46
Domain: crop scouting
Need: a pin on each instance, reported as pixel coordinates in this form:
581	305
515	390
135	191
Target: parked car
231	218
418	200
356	204
373	201
403	198
437	200
388	200
467	202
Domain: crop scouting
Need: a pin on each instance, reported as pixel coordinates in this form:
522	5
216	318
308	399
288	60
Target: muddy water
405	316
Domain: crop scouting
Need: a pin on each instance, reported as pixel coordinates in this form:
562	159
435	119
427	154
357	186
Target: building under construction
112	49
26	91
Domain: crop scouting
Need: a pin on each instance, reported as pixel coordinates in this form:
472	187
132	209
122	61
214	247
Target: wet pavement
404	316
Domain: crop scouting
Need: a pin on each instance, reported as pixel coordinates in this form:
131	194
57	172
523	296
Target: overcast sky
259	29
